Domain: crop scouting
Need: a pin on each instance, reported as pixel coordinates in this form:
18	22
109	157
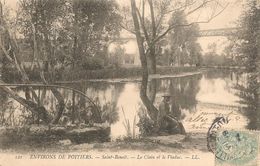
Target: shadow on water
183	90
249	94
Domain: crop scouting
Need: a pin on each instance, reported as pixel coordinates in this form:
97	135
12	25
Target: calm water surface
200	97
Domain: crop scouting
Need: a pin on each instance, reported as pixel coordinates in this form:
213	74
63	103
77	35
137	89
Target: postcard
129	82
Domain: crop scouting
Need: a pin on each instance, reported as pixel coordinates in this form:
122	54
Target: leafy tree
210	59
91	26
183	41
71	30
248	44
11	52
116	57
153	17
39	23
231	54
57	32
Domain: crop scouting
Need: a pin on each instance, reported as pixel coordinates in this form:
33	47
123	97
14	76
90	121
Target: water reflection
200	98
249	91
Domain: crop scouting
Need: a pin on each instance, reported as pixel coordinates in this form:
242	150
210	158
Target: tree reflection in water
112	97
183	90
77	110
249	94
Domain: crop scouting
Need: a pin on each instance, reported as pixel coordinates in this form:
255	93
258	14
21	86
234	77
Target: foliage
90	27
146	124
212	58
92	63
150	29
216	60
250	56
109	113
130	131
151	23
39	22
69	30
184	48
115	58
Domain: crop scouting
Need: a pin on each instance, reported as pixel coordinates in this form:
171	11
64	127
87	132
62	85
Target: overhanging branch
178	25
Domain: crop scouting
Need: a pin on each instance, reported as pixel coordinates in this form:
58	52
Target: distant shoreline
122	80
115	75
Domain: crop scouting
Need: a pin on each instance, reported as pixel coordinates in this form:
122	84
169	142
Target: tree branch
127	29
181	8
197	22
152	18
143	26
197	8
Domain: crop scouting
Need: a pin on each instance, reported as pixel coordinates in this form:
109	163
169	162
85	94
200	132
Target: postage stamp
237	148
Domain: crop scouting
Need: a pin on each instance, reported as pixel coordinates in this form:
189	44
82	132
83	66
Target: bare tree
150	27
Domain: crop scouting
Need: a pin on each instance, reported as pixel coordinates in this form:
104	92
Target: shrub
92	63
146	124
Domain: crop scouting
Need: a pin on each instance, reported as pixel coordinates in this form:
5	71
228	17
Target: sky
226	19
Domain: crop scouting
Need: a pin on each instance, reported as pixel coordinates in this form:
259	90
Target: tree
39	24
183	41
38	27
11	51
149	29
91	25
116	57
77	30
57	32
152	22
248	45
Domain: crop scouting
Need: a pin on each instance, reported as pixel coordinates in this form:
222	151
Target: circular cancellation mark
217	124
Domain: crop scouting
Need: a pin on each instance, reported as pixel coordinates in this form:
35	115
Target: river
200	97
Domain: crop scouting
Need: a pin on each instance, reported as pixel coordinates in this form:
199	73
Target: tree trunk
61	105
153	90
151	109
11	57
152	55
55	92
152	59
30	105
43	114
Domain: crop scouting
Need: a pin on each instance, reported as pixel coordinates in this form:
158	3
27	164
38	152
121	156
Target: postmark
236	148
217	125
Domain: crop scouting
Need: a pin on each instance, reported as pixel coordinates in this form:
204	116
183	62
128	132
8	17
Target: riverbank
71	75
136	79
168	144
165	150
120	73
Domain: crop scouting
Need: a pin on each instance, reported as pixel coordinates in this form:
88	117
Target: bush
146	124
92	63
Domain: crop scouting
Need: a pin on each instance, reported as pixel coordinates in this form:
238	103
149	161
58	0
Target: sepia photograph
139	82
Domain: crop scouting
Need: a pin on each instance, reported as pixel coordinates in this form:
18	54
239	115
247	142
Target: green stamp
236	148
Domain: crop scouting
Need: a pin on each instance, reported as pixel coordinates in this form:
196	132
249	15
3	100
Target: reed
130	131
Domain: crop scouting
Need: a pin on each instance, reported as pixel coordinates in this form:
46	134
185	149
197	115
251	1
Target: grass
131	133
11	75
78	74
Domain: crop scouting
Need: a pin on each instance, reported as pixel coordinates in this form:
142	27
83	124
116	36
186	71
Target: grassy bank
73	75
11	75
169	144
